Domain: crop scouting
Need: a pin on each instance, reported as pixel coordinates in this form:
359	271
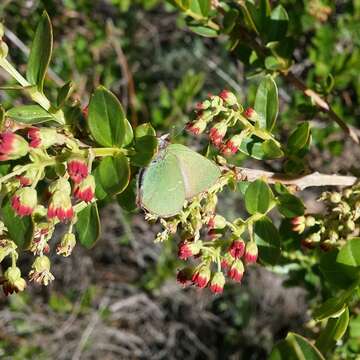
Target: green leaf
332	307
20	229
181	4
299	138
144	129
107	122
334	331
261	150
113	174
349	254
64	93
295	347
29	114
268	240
200	7
267	103
258	197
229	20
127	199
355	327
88	226
203	30
290	206
145	147
40	53
277	24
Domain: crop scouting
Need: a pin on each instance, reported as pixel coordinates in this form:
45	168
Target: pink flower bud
187	249
201	276
61	185
12	146
60	207
77	169
85	190
251	252
184	276
197	127
236	271
298	224
216	222
217	133
228	97
237	249
43	137
217	283
227	261
28	177
251	114
232	145
24	201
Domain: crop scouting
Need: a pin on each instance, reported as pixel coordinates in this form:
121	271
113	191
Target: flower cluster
336	225
229	124
52	181
214	247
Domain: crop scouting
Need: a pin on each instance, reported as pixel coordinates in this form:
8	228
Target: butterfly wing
198	172
162	190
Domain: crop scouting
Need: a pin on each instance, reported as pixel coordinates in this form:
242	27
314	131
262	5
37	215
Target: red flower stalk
201	276
77	169
236	271
187	249
24	201
217	283
85	191
237	249
217	133
251	252
12	146
60	206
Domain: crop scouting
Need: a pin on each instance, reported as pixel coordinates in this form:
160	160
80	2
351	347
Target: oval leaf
29	114
290	206
40	53
113	174
299	138
349	254
258	197
268	240
88	226
267	103
106	119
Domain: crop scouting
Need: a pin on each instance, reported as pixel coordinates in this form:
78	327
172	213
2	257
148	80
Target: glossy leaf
295	347
203	30
200	7
181	4
64	93
277	24
29	114
144	130
40	53
332	307
290	206
258	197
20	229
261	150
106	119
127	199
113	174
349	254
88	226
299	138
268	240
229	20
267	103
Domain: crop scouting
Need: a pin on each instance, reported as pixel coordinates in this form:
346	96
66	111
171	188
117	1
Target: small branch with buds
299	182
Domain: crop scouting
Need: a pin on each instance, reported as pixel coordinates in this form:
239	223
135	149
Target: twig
300	182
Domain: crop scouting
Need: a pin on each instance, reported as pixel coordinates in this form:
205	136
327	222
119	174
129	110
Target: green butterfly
175	175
